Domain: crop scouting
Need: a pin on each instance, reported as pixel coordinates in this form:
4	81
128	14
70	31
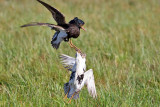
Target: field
122	43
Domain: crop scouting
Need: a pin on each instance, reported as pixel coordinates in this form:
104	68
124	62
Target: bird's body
78	77
73	31
64	31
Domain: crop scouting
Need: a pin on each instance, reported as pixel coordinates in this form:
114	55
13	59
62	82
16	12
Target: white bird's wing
67	61
89	81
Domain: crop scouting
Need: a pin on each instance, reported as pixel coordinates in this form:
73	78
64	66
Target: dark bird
64	31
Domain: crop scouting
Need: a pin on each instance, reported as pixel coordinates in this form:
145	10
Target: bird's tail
66	90
76	96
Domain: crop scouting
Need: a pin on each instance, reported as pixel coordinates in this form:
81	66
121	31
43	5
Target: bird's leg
72	96
70	43
73	46
66	94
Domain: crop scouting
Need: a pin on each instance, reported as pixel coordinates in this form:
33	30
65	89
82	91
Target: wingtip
22	26
39	0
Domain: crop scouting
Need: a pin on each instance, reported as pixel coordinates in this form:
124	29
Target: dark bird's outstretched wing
58	16
52	26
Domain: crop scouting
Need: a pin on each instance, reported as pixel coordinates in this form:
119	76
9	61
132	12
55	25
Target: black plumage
80	78
68	30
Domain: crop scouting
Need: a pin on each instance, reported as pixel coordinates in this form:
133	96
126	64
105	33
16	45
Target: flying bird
64	31
79	76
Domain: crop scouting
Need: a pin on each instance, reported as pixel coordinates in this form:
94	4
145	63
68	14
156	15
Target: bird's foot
65	97
73	46
69	102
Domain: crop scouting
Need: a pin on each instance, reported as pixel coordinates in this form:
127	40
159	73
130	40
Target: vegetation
122	43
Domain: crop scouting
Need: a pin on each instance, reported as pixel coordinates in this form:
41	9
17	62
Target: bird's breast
73	32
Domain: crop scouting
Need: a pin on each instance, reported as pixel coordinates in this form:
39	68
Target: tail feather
76	96
66	89
71	92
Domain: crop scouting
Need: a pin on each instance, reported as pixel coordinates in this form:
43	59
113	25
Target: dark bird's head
78	22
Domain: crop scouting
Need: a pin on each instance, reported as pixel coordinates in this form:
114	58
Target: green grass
122	43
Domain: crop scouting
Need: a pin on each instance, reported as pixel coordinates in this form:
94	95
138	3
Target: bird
79	76
64	31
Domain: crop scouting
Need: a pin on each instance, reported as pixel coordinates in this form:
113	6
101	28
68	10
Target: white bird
78	77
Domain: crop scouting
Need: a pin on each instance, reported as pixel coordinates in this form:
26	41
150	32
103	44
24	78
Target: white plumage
67	61
78	77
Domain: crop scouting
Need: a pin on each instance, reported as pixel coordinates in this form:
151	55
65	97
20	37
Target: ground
122	44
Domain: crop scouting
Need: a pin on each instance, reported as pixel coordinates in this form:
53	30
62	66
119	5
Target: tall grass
122	43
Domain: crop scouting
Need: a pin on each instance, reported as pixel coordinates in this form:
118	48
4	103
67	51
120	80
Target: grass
122	43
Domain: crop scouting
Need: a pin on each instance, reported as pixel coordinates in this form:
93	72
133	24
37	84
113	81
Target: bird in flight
78	77
64	31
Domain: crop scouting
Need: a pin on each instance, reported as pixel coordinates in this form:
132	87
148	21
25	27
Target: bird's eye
80	22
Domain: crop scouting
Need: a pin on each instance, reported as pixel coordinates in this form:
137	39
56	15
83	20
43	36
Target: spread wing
58	16
89	81
67	61
52	26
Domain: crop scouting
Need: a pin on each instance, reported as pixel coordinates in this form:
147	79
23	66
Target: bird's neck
79	69
74	24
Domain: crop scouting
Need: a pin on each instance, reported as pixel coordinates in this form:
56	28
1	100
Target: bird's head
78	22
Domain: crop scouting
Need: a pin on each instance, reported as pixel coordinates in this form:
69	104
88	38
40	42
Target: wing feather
67	61
89	81
52	26
57	15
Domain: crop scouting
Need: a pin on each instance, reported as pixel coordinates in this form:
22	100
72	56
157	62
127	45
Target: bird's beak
83	28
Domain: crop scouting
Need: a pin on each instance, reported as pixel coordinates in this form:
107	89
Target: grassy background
122	44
